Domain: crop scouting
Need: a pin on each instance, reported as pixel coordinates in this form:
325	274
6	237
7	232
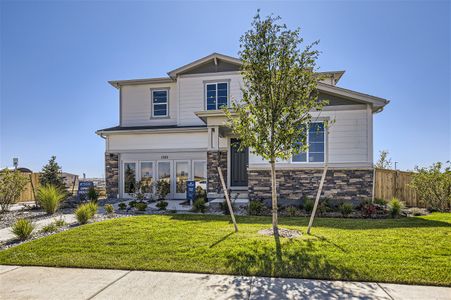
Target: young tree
384	161
280	91
51	175
12	184
433	185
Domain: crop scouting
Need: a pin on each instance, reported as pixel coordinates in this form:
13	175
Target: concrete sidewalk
69	283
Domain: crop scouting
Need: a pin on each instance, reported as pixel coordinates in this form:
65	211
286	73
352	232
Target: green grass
406	250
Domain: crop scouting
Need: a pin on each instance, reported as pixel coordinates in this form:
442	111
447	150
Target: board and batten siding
136	105
350	137
157	141
192	94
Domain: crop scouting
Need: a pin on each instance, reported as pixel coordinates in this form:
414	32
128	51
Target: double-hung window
160	103
315	141
217	95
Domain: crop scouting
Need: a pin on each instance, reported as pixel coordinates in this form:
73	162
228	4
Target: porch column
215	157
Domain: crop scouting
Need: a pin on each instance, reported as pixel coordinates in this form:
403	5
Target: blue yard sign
190	190
83	187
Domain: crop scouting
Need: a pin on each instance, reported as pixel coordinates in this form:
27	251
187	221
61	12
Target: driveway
70	283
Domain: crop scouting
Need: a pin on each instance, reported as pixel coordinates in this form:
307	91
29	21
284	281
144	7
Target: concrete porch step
238	202
239	195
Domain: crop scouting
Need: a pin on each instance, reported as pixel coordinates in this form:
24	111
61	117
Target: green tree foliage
384	161
433	185
12	184
51	175
280	92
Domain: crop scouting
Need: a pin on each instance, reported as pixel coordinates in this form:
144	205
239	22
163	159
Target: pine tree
51	174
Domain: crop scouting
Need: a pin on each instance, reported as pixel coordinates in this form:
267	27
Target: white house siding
349	140
136	105
192	97
157	141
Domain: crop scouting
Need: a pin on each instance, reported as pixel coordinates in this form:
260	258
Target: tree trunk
274	199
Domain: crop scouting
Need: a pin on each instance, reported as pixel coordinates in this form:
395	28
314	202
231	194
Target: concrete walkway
6	234
69	283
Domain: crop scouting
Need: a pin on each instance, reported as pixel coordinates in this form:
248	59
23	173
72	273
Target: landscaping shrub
162	205
141	206
368	210
109	209
122	206
84	213
323	207
201	193
433	186
60	223
12	183
380	201
308	205
92	194
49	198
394	207
132	203
163	189
256	208
346	209
22	229
199	205
49	228
93	207
291	211
225	208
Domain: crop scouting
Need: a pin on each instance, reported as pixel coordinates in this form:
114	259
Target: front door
239	161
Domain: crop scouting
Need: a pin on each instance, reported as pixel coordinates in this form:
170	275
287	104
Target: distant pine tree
51	174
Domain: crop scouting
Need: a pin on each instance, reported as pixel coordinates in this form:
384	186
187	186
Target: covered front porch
223	151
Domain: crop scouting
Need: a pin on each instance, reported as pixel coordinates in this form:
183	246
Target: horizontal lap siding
348	138
136	105
192	98
182	140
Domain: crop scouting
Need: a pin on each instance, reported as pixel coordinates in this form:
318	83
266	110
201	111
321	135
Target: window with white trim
159	103
217	95
316	141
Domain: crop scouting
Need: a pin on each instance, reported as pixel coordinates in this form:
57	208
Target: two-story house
172	129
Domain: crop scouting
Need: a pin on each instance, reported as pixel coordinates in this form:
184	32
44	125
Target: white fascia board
160	130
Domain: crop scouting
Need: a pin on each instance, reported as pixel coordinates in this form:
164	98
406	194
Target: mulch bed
283	232
40	234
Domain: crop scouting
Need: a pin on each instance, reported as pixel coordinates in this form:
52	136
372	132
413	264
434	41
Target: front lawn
408	250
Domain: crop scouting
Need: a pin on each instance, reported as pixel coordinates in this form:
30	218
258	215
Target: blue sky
56	58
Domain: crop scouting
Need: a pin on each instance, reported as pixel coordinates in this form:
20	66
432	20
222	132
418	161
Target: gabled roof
377	102
212	57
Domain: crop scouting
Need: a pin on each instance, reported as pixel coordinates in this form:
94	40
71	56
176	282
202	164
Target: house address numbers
164	157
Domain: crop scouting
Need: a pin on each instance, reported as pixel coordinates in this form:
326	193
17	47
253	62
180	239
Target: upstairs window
159	103
315	140
217	95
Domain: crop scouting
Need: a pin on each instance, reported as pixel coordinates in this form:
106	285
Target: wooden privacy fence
33	182
391	183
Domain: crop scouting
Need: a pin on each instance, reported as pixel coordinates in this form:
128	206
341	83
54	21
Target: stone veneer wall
215	159
292	184
112	174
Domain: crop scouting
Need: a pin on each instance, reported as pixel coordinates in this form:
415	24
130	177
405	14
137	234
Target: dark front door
239	161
